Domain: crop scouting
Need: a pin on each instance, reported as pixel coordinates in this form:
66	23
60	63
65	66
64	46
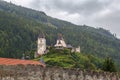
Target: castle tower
78	49
60	42
41	45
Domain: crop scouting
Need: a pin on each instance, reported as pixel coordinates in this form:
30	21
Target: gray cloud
78	6
87	7
111	22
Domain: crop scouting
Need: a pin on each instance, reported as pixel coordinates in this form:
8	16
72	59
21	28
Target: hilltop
67	59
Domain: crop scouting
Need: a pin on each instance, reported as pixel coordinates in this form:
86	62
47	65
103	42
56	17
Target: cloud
111	22
79	6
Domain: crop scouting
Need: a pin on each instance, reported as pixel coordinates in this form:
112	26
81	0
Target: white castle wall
78	49
60	43
41	48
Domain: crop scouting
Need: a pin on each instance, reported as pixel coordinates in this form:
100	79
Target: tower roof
41	36
60	37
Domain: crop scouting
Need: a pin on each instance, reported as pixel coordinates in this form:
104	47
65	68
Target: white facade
41	47
78	49
60	43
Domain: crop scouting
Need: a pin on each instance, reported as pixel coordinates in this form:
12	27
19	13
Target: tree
109	65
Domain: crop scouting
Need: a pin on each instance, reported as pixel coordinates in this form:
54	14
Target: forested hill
19	29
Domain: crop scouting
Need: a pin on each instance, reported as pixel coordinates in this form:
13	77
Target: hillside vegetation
20	27
67	59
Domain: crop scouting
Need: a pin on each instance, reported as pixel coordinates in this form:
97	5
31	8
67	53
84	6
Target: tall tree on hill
109	65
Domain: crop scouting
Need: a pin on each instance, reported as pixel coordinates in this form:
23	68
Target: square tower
41	45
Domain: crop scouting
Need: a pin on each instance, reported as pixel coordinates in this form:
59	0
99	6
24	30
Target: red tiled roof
9	61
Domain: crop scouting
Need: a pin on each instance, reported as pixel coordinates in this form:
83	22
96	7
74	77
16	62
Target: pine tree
109	65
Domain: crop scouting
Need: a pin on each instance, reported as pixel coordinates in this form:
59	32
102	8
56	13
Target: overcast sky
96	13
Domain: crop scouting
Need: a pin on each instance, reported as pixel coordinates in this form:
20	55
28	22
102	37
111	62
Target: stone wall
31	72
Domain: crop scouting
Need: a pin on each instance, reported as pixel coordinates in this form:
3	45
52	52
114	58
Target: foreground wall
31	72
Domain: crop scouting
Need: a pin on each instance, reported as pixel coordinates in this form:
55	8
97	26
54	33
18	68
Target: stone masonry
31	72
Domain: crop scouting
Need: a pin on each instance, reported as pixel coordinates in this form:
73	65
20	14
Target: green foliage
64	58
109	65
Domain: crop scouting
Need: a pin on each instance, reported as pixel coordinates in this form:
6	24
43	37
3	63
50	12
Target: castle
60	44
41	45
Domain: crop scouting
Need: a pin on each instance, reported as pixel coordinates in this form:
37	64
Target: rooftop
9	61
